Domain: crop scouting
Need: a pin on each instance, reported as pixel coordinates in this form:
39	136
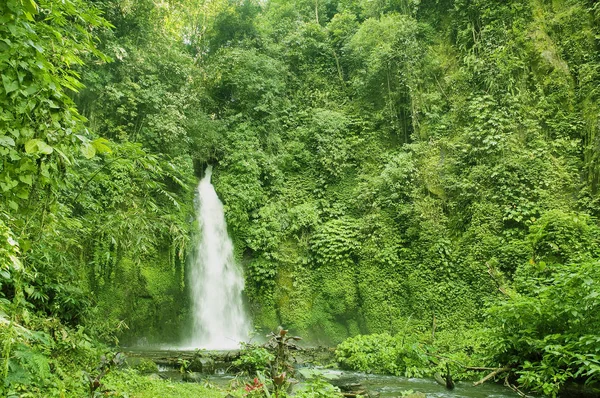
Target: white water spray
217	282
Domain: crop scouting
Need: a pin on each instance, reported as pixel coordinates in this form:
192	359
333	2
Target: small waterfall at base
220	321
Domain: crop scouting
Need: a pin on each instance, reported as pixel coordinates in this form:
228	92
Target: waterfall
220	321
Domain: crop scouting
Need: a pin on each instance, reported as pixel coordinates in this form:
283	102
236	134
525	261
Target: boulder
192	377
202	365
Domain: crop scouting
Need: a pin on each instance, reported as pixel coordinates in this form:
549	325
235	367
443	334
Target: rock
314	356
351	387
310	373
192	377
202	365
439	379
352	390
146	366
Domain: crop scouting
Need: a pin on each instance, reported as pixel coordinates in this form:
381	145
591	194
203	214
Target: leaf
38	146
88	150
9	84
32	89
31	146
6	141
45	148
22	193
62	155
30	6
8	185
100	144
26	178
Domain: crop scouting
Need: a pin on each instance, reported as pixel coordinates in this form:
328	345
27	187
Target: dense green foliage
400	168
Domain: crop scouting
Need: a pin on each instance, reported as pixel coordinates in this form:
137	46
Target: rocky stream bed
215	367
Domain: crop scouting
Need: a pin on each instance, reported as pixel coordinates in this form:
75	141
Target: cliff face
387	162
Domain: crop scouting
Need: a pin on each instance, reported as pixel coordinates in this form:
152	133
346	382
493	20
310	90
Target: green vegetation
414	354
133	385
253	358
417	180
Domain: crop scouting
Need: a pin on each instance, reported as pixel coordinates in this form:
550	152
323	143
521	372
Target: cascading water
220	321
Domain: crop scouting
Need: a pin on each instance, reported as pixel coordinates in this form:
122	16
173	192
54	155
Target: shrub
253	358
548	330
382	353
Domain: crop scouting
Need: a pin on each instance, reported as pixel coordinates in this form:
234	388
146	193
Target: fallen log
492	375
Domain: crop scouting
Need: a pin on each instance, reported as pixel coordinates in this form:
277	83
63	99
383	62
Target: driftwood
492	375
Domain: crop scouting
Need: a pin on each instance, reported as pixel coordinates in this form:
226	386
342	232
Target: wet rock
314	356
192	377
352	390
146	366
202	365
351	387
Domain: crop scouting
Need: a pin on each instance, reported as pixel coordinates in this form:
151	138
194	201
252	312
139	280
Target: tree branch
492	375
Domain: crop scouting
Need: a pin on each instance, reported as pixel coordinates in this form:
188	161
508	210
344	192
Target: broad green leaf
9	84
38	146
45	148
26	178
88	150
30	90
8	185
23	193
6	141
31	146
100	144
14	155
30	6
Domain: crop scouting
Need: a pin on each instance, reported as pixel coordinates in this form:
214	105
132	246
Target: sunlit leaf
88	150
6	141
101	145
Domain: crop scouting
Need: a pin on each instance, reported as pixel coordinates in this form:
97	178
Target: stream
377	385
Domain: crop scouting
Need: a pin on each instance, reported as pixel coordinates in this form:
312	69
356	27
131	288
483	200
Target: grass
130	384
